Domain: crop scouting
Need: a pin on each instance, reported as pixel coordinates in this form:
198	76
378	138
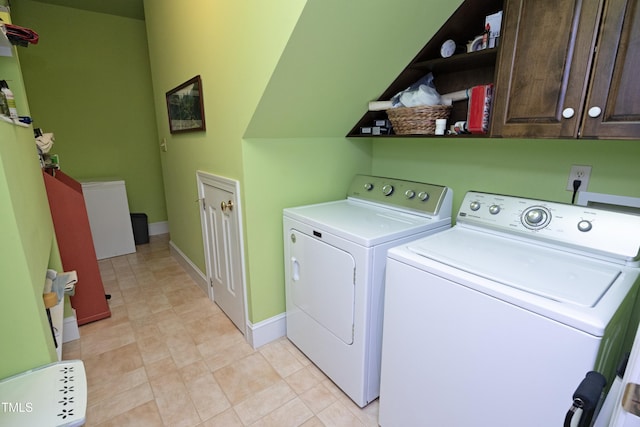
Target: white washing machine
495	321
335	255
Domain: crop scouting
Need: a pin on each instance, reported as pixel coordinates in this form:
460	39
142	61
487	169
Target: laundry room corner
281	173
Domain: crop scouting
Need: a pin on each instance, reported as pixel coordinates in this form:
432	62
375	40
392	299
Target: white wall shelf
6	48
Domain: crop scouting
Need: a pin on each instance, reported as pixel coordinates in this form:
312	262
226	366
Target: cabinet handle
594	112
567	113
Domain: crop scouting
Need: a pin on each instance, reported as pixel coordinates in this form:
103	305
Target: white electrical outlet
580	173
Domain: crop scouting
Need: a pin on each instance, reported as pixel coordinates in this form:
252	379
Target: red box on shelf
480	108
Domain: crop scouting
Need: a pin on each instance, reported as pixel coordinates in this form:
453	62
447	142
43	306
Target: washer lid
549	273
364	223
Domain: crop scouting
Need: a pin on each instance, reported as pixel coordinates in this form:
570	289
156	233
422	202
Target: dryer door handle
295	269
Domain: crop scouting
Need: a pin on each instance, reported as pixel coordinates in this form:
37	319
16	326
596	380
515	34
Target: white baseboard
70	331
266	331
190	267
156	228
257	334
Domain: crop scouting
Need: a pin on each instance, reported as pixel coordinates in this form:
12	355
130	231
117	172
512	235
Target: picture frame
185	107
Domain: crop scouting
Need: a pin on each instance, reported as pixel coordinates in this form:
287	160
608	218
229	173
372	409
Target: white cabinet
109	217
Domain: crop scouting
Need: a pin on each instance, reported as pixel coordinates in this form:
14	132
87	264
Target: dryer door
322	283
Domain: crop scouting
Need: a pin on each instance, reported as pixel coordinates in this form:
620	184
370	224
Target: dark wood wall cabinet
566	69
562	69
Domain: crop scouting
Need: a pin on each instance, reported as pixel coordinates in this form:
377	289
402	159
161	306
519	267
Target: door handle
227	205
295	269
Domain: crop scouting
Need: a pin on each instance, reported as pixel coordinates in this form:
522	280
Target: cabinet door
546	52
615	91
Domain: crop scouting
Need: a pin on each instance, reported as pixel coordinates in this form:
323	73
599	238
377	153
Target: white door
223	245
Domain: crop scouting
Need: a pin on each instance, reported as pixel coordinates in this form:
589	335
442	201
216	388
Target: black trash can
140	228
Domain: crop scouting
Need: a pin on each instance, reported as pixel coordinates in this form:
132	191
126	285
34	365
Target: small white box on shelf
494	22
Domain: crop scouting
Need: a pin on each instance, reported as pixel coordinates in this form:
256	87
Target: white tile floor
169	357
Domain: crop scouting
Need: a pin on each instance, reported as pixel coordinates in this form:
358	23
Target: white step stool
50	395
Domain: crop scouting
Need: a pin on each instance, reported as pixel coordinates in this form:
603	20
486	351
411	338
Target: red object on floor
77	252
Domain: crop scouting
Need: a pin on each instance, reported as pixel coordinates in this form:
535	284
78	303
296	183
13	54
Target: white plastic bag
422	92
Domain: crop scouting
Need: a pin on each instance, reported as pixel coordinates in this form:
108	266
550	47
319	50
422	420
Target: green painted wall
28	247
533	168
234	47
282	173
89	82
340	56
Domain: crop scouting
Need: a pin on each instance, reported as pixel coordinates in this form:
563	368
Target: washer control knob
494	209
387	190
423	195
585	225
410	194
368	186
474	206
534	216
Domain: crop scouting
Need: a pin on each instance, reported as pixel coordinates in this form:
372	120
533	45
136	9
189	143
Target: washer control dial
494	209
536	217
474	206
387	190
585	226
368	186
410	194
423	196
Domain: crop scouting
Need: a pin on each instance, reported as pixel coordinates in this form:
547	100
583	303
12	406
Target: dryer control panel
584	228
416	196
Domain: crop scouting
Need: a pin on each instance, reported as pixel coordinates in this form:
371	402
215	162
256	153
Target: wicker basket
420	120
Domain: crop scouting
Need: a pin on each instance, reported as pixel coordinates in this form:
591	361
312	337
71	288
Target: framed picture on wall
185	107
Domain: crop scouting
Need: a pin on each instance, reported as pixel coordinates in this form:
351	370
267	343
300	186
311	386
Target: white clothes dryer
335	256
495	321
